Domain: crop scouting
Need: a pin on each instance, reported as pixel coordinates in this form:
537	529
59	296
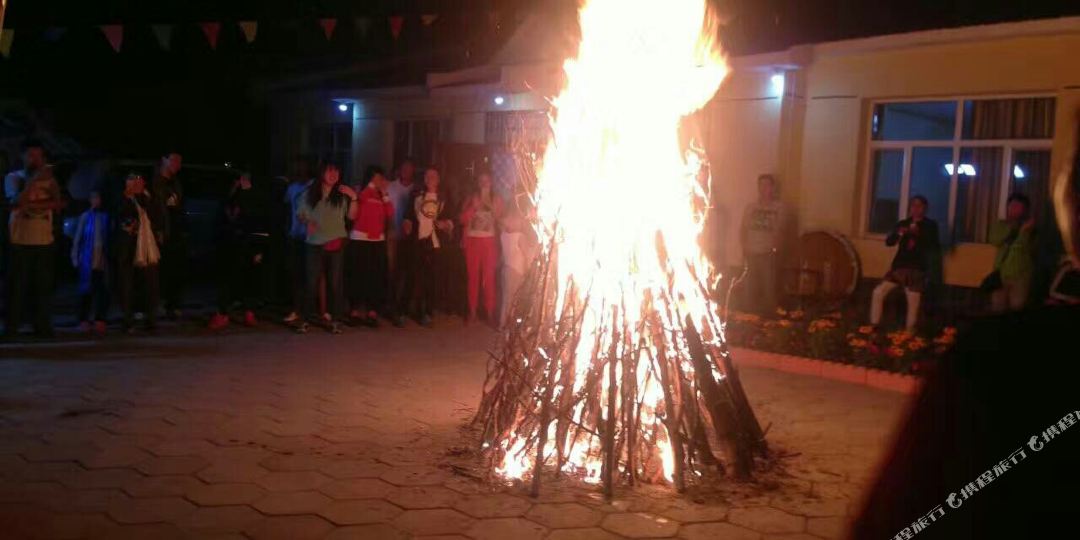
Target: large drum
825	265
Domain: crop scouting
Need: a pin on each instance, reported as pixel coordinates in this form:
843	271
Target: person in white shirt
430	231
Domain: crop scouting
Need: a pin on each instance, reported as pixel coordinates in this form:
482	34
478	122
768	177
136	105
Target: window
333	142
416	139
965	156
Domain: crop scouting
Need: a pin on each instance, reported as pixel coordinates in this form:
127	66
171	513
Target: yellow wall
840	85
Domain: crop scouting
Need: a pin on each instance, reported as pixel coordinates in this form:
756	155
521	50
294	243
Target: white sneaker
291	317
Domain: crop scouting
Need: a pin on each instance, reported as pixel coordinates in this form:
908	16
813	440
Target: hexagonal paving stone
767	519
65	526
357	488
231	473
292	481
695	513
368	532
564	515
354	468
157	531
157	466
827	527
162	486
360	511
415	476
504	528
494	505
151	510
102	478
811	507
181	447
592	533
57	452
293	463
221	519
790	536
416	498
640	525
124	456
85	500
225	494
712	531
431	522
293	502
289	528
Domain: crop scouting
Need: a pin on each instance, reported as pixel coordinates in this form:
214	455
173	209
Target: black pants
97	298
242	279
368	276
428	276
126	276
31	275
402	278
320	263
295	248
174	267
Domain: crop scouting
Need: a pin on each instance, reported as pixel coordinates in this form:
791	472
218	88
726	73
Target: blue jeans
324	264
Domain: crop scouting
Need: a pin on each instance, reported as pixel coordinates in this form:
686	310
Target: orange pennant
249	28
428	19
115	34
211	30
396	22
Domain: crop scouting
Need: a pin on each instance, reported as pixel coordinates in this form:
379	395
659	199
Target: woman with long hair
483	209
326	205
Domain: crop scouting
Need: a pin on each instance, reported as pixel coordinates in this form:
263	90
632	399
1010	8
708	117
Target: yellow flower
798	314
781	312
857	343
784	323
949	330
866	329
917	344
895	352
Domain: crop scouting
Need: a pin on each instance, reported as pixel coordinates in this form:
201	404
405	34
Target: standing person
137	252
367	244
429	231
168	193
89	255
762	230
243	252
918	241
295	245
483	210
33	211
1015	261
403	191
33	161
325	207
518	249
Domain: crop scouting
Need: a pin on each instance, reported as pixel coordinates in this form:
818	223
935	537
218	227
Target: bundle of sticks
613	392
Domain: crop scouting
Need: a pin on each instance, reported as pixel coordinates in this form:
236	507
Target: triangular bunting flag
396	22
115	34
163	33
428	19
328	26
211	29
54	33
363	24
7	37
249	28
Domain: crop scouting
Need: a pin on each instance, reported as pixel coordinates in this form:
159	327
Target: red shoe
99	328
218	321
249	318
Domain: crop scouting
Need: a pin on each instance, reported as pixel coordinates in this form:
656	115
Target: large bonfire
613	366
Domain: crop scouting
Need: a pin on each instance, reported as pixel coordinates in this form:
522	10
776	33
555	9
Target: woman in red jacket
482	211
367	246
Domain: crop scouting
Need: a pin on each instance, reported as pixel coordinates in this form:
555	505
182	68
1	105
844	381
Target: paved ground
265	434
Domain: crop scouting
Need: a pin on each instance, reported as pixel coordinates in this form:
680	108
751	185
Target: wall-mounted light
343	107
499	100
777	81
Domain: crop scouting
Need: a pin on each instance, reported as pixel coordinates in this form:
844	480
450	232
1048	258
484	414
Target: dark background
209	104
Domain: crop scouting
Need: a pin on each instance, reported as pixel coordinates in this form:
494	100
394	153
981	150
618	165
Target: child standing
88	255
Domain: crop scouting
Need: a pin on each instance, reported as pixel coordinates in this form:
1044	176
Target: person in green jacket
1014	238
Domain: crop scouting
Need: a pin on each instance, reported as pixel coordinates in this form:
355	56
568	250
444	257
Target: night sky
207	103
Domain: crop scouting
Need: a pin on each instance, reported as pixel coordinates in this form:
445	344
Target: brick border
874	378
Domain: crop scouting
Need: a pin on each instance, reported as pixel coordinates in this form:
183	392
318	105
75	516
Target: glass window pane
930	178
1029	173
886	177
978	192
915	121
1021	118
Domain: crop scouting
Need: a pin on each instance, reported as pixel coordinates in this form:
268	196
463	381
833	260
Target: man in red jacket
367	246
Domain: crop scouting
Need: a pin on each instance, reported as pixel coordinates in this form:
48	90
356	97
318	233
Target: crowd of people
352	254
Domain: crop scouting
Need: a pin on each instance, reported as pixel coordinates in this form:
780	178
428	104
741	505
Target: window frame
956	143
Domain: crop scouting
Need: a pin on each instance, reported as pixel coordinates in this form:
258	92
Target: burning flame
614	179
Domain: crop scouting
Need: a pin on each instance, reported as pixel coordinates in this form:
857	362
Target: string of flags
211	30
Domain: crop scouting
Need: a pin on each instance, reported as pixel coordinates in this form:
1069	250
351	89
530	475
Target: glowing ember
600	363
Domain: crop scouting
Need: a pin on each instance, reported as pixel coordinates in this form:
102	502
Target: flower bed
830	337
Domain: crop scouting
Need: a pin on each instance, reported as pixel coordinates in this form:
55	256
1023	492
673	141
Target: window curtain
1035	167
978	194
1023	118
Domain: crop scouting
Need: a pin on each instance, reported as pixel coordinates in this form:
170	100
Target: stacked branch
612	392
